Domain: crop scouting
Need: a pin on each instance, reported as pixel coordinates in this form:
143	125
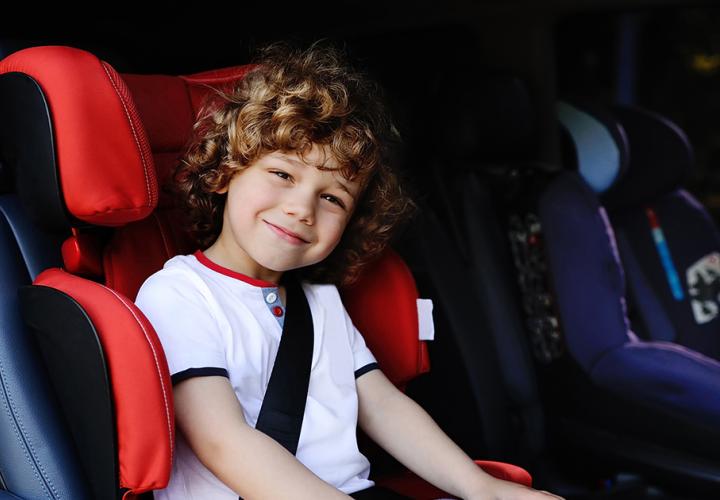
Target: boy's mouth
286	234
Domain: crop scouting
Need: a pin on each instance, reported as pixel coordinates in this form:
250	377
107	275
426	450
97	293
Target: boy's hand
404	430
506	490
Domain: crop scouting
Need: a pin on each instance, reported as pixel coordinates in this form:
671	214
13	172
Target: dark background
663	55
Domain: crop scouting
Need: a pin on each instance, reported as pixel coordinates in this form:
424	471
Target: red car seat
114	141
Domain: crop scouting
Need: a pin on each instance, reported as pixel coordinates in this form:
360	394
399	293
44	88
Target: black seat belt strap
283	407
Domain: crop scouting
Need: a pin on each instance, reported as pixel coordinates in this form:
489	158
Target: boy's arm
407	432
251	463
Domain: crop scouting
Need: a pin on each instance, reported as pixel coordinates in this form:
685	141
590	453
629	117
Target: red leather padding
164	106
412	486
382	305
142	391
82	255
163	103
141	248
200	84
168	107
103	154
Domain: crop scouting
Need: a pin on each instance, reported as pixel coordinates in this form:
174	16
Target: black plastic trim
74	358
27	146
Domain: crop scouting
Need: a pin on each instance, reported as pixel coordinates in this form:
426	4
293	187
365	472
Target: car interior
561	159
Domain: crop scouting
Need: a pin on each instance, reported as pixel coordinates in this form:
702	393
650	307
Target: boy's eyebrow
294	161
345	188
297	162
290	159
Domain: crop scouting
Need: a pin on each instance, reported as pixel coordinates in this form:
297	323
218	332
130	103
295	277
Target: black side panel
73	355
28	151
37	456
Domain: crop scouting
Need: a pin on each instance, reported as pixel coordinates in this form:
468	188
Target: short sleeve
363	359
185	322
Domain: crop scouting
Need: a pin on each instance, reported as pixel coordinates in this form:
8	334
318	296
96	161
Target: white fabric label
426	327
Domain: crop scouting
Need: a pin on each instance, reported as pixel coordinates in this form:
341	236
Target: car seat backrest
669	243
579	237
102	189
380	319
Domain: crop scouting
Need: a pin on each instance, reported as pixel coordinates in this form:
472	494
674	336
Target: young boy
290	173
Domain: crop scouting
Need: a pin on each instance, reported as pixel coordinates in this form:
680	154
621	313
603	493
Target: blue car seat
634	259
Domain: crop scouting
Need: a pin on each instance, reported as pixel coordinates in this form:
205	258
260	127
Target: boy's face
283	213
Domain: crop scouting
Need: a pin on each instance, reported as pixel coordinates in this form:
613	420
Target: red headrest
106	169
383	306
109	131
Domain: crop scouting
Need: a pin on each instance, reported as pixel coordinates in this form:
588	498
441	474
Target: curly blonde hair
291	100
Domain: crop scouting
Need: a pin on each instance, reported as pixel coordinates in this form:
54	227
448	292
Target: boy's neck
223	258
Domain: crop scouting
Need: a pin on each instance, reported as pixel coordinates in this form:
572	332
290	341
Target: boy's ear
222	190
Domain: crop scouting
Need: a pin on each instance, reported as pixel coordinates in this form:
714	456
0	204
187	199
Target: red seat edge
413	486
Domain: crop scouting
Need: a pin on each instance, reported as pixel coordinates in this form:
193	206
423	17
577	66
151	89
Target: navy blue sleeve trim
367	368
198	372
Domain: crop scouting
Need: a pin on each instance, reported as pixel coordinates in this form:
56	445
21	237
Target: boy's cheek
342	227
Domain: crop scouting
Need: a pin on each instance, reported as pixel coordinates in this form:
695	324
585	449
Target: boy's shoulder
179	265
179	272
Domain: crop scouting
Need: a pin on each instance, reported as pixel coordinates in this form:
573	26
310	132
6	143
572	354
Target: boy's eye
281	174
333	199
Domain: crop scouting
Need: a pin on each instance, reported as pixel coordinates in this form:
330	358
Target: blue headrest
661	158
629	156
597	145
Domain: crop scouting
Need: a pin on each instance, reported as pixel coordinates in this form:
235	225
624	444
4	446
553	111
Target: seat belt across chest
283	407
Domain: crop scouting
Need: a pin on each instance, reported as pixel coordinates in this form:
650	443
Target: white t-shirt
213	321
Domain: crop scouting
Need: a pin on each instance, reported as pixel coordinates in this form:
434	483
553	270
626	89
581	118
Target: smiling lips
286	234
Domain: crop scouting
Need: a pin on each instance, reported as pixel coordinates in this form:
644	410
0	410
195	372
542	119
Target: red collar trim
202	258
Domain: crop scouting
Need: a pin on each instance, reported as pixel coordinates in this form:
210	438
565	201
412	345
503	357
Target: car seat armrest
413	486
508	472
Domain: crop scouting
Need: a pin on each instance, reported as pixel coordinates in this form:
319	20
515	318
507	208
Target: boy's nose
302	208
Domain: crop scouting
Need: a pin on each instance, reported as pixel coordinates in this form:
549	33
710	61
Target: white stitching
132	128
157	365
22	436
